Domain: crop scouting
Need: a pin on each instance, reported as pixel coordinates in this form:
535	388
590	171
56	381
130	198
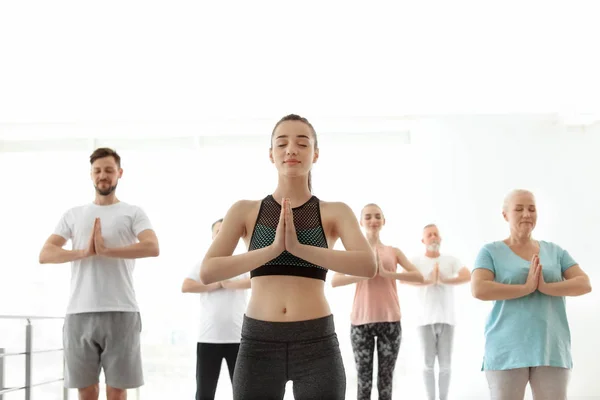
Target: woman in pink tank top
376	309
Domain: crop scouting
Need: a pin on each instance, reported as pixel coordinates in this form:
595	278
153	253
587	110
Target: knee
116	394
89	393
444	366
444	369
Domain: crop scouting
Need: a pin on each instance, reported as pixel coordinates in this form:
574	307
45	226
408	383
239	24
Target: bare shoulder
241	216
241	210
401	257
241	206
336	208
397	251
338	218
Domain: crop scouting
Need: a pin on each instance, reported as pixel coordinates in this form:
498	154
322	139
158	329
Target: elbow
42	259
206	278
371	272
587	288
155	250
365	267
336	281
185	287
477	292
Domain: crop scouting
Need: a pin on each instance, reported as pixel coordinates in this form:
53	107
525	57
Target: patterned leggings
389	336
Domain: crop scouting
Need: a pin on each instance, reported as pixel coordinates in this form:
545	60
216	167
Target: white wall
166	63
455	173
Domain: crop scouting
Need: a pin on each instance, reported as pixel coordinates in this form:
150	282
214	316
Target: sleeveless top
309	229
376	299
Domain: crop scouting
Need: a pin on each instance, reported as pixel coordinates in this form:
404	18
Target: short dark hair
105	152
216	222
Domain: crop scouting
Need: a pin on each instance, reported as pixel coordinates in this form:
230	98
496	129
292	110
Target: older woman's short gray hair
512	194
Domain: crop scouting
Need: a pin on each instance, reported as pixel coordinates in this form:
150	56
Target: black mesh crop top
309	228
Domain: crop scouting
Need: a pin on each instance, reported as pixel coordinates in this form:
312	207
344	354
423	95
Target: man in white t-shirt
222	308
102	324
436	309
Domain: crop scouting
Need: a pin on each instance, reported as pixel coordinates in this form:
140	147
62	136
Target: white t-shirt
100	284
436	305
221	312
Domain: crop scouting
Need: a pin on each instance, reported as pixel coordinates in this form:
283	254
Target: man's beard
105	192
433	247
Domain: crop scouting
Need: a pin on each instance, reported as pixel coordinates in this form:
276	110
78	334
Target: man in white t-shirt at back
102	324
222	308
436	309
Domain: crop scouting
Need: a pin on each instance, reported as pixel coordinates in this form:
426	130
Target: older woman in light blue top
527	337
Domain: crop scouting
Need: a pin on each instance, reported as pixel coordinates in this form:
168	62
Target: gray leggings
304	352
437	340
547	383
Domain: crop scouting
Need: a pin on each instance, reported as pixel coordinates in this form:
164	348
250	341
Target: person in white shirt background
222	307
103	324
436	309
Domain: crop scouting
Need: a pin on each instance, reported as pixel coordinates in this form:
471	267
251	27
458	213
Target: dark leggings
209	357
389	335
304	352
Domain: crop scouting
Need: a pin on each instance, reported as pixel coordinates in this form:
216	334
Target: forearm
136	250
192	286
426	282
217	269
57	255
412	276
356	263
237	284
458	280
343	279
571	287
490	290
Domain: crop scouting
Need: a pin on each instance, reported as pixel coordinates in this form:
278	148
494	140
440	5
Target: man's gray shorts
103	340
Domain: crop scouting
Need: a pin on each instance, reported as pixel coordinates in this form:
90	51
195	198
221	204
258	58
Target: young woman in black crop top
288	332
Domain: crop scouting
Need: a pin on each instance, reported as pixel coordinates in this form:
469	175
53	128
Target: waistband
295	331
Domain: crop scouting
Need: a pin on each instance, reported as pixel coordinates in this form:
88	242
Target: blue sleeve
484	260
565	259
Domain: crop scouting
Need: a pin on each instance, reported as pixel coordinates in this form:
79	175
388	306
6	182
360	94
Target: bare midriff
280	298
